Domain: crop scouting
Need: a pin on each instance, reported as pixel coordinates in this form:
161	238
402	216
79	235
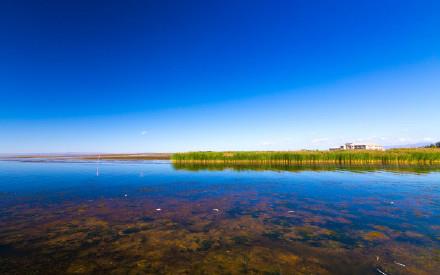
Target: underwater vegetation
179	222
240	233
188	237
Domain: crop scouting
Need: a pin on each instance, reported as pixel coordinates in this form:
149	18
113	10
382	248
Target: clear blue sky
160	76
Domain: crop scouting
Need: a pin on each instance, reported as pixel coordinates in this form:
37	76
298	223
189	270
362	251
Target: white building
359	146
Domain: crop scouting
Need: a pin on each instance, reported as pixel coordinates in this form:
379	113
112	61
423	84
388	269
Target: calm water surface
153	218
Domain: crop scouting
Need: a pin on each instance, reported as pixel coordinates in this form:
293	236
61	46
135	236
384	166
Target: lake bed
150	217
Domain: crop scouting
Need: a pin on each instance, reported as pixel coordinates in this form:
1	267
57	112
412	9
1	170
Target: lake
153	217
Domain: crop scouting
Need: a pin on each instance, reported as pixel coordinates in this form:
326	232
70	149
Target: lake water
155	218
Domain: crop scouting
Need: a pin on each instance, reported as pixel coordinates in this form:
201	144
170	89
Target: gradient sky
164	76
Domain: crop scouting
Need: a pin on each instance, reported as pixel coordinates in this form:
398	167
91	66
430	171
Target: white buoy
158	209
97	166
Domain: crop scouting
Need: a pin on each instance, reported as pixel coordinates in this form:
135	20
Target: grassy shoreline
424	156
419	156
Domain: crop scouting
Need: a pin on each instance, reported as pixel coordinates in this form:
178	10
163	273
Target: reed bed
425	156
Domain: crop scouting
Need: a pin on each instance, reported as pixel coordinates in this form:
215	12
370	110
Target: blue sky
163	76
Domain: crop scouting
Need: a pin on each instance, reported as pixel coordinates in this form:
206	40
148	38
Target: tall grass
394	156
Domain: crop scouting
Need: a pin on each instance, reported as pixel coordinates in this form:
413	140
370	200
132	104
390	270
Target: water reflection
148	218
301	168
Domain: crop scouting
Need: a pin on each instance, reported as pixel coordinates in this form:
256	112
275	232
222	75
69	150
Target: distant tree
434	145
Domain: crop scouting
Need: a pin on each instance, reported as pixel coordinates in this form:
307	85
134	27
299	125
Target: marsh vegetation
424	156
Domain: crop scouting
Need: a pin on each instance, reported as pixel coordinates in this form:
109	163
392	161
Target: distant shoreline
420	156
138	156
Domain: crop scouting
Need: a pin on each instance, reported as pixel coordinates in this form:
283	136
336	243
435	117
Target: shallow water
155	218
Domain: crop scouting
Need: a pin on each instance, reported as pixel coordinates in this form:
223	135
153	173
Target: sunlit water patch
156	218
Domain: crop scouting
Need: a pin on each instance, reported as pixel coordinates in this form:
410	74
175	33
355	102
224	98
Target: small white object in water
291	211
125	195
377	258
381	272
158	209
391	202
215	209
397	263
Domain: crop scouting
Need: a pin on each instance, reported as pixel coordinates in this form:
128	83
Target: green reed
392	156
